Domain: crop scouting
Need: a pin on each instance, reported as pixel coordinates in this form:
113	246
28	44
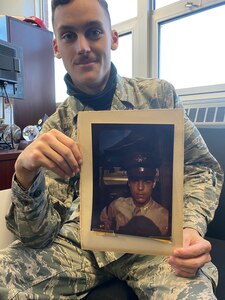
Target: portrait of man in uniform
132	167
138	214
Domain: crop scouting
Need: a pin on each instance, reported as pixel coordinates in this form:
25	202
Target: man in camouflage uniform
46	262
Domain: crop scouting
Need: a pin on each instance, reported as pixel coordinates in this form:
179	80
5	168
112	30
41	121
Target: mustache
85	58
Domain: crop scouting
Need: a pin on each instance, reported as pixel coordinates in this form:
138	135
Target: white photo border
105	241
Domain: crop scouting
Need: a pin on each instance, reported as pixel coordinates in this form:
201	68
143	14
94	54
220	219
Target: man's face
141	190
84	39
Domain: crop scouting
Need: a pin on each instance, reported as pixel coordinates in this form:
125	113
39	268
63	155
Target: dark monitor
11	70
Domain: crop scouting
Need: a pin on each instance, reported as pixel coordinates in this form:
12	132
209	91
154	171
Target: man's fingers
56	163
185	273
52	150
193	250
63	151
70	144
63	158
189	265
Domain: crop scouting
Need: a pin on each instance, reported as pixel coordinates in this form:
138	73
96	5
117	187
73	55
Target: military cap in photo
141	165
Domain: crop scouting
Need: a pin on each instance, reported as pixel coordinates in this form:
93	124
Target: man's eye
134	181
94	34
149	181
69	36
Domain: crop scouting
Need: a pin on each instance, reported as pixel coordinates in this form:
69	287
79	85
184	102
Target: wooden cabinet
7	161
38	66
39	82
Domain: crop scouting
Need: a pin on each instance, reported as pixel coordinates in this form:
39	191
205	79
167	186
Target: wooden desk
7	161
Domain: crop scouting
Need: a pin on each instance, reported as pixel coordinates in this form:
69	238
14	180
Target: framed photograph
131	181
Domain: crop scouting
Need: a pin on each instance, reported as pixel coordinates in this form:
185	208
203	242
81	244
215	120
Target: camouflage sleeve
36	216
203	179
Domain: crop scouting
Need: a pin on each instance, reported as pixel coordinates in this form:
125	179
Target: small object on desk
30	132
10	137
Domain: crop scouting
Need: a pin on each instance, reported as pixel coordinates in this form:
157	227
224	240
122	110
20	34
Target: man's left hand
195	253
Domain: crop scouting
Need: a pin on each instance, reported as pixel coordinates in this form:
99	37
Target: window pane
60	86
161	3
122	57
192	49
122	10
48	15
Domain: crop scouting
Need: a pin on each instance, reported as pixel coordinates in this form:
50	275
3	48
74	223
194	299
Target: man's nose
140	185
83	46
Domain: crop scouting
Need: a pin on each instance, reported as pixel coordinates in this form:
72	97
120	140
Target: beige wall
6	236
21	8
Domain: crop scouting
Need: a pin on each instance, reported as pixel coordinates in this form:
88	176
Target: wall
21	8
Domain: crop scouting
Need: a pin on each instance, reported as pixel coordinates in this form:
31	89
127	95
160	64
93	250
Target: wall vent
206	116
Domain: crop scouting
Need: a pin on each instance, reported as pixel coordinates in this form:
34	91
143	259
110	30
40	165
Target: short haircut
56	3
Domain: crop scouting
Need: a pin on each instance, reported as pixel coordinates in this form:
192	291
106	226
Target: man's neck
101	100
145	204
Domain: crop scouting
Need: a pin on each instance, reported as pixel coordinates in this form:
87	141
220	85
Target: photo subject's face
84	40
141	190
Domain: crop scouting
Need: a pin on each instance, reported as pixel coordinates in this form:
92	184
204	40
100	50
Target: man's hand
195	253
52	150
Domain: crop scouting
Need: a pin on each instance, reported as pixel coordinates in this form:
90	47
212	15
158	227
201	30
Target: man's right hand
52	150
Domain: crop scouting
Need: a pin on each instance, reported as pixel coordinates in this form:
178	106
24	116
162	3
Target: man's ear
55	48
114	39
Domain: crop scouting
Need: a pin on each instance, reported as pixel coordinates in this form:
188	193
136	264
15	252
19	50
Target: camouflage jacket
37	216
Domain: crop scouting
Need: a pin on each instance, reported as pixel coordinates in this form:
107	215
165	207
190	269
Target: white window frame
139	28
39	8
170	12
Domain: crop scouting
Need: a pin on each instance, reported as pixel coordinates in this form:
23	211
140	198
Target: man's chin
141	201
90	83
87	83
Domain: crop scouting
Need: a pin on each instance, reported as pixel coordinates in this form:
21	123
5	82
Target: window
195	45
122	20
119	11
188	48
122	57
162	3
60	71
60	86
